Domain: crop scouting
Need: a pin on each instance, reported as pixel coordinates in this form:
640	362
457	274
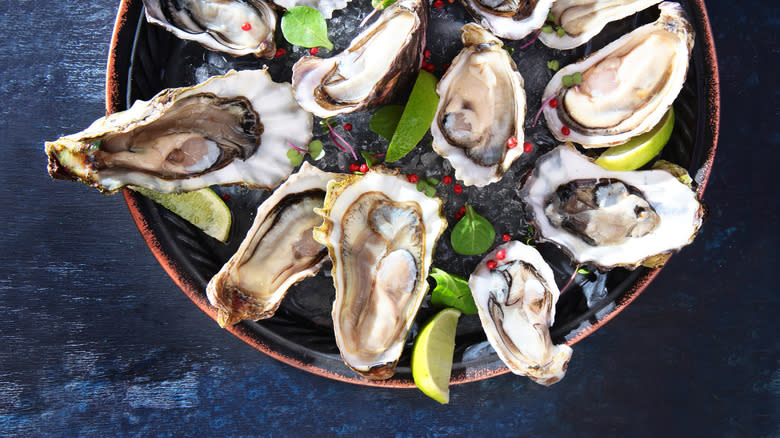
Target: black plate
145	59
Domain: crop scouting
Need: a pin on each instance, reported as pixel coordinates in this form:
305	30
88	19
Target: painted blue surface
98	341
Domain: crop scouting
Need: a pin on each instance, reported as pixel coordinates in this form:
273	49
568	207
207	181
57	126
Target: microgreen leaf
306	27
385	120
295	157
371	158
550	17
324	125
576	78
382	3
553	65
547	28
473	234
432	181
567	81
559	30
583	271
430	191
511	50
416	118
316	150
452	291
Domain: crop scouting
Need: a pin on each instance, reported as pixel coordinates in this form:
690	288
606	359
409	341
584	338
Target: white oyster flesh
584	19
236	27
326	7
277	252
626	87
231	129
381	234
381	58
516	303
609	218
481	107
510	19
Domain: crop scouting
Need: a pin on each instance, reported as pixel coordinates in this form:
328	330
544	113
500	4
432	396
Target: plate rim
117	68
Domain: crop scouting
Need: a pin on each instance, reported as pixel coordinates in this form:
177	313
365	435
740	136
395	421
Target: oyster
511	19
481	109
516	304
584	19
377	62
326	7
231	129
609	218
626	87
277	252
380	233
237	27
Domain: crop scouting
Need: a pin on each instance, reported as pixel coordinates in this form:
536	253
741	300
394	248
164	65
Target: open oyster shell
481	107
277	252
516	304
584	19
236	27
231	129
381	234
382	58
510	19
608	218
626	87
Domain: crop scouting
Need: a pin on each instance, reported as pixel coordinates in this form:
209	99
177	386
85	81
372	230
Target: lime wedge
202	208
432	355
639	150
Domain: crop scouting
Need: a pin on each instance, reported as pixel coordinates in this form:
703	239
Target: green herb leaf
452	291
385	120
567	81
430	191
511	50
550	17
304	26
382	3
315	150
473	234
559	30
421	185
432	181
416	118
553	65
547	28
324	125
370	158
576	78
295	157
583	271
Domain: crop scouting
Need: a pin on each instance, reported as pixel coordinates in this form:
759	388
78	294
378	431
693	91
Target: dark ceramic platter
145	59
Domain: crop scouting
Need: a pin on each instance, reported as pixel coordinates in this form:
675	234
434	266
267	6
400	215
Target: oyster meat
584	19
277	252
481	110
510	19
626	87
236	27
381	234
382	58
231	129
516	304
609	218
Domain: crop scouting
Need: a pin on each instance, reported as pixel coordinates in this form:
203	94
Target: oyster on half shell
510	19
277	252
231	129
236	27
516	304
382	58
609	218
584	19
627	86
481	108
381	234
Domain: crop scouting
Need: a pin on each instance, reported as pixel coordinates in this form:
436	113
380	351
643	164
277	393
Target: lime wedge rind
432	355
641	149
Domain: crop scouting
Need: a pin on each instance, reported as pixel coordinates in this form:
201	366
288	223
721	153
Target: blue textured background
98	341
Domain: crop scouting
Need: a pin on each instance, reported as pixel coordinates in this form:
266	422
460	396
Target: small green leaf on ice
385	120
306	27
452	291
295	157
416	118
473	234
316	150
